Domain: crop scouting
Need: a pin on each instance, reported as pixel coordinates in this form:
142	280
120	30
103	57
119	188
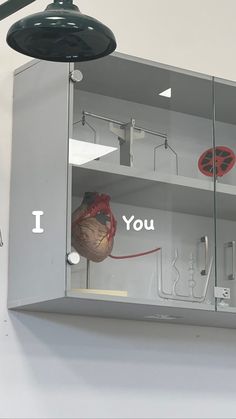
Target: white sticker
138	224
37	229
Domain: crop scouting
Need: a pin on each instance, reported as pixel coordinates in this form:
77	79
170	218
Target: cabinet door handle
231	245
205	240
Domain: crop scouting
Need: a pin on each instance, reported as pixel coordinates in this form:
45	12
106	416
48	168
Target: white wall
60	366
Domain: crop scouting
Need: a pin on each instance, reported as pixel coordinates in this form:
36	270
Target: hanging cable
136	255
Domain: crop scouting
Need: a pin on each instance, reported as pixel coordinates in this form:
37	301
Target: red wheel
224	161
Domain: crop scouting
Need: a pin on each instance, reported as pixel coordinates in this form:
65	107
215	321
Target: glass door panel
189	259
225	141
143	128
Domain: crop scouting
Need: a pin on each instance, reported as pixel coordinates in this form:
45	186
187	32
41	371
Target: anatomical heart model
93	227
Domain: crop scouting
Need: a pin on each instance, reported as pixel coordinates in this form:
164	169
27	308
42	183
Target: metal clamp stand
126	134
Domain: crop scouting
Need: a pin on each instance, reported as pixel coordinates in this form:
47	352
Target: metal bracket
126	134
1	241
221	292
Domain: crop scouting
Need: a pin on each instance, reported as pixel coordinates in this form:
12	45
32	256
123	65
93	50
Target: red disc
224	161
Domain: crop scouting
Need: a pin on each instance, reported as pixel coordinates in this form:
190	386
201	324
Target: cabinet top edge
173	68
145	61
25	66
164	66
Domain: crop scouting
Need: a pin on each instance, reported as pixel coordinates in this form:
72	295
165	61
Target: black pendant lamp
61	33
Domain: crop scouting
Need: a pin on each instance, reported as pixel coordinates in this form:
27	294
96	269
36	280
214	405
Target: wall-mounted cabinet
160	142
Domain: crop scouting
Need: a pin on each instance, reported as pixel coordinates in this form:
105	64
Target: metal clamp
205	240
232	245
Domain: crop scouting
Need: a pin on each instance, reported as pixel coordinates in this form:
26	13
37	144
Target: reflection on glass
159	120
225	139
81	152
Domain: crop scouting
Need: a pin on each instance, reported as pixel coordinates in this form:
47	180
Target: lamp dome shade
61	33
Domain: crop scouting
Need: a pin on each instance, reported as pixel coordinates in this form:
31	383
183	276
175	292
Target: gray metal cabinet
153	138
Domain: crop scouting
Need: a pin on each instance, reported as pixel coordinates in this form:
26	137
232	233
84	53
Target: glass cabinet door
225	145
189	257
143	136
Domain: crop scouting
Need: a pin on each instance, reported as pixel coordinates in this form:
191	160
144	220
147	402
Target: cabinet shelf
107	308
136	187
159	302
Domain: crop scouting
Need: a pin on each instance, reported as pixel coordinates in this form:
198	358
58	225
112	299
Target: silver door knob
73	258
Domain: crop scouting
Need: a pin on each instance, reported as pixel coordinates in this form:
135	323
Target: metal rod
215	197
121	123
149	131
103	118
176	159
88	274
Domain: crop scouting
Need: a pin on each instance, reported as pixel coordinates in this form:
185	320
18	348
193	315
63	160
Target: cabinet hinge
221	292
